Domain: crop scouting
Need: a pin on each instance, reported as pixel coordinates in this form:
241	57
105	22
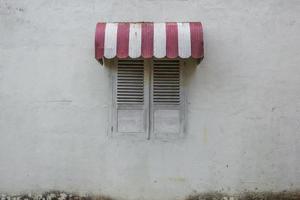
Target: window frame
148	103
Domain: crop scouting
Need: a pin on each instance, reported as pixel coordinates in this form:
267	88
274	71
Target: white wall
244	101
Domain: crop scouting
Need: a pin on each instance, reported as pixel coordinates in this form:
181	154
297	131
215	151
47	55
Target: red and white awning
147	40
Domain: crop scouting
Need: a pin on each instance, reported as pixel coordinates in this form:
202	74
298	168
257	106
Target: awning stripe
172	39
148	40
159	40
196	39
110	41
99	41
184	40
135	42
123	40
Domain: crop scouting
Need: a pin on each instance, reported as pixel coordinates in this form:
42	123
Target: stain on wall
56	195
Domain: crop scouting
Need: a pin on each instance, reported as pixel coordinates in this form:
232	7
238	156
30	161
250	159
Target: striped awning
147	40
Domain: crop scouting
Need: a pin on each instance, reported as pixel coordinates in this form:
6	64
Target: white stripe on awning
135	40
159	40
111	40
184	40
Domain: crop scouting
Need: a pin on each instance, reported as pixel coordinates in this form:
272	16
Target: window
148	98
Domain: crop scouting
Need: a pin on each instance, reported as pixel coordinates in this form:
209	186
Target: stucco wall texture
243	130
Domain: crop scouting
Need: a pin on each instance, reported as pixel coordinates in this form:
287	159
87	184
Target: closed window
148	98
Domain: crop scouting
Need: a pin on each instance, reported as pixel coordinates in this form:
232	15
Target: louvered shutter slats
166	82
130	82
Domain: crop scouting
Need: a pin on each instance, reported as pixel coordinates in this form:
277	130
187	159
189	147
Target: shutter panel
130	113
167	99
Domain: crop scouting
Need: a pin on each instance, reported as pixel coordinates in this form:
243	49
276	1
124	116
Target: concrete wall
243	112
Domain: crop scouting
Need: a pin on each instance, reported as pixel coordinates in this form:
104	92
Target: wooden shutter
167	101
130	107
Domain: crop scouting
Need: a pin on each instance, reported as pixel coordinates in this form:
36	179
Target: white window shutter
131	99
167	98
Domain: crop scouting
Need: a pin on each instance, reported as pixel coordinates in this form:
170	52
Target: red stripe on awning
147	40
196	40
99	40
123	40
172	39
